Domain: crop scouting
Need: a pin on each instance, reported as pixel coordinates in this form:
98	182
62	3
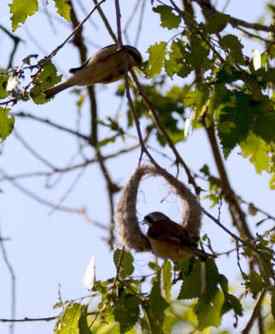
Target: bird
107	65
170	240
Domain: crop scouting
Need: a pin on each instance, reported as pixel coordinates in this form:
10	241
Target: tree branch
235	22
255	314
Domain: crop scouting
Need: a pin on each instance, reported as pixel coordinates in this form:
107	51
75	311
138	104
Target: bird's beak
145	221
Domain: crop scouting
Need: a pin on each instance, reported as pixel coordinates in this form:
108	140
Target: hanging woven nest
126	216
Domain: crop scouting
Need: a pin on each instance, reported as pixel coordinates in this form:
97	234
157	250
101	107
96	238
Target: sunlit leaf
272	182
69	322
156	58
63	8
21	10
209	311
6	123
166	280
3	84
177	60
46	78
257	151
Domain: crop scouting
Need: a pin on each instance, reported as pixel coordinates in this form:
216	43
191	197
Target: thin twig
118	22
106	22
164	133
112	188
48	122
69	190
130	20
27	319
16	40
69	168
137	124
235	22
76	29
13	280
39	199
32	151
140	23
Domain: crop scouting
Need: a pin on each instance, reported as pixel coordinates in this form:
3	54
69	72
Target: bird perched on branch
170	240
107	65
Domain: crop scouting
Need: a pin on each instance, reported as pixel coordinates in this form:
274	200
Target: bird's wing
104	53
76	69
170	232
99	56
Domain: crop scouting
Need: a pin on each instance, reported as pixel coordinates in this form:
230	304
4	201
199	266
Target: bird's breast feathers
168	250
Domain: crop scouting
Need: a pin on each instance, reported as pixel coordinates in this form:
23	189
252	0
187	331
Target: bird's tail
57	89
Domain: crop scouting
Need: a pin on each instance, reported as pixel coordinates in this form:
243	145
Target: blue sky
50	251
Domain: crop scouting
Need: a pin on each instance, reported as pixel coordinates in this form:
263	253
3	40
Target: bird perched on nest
164	237
170	240
107	65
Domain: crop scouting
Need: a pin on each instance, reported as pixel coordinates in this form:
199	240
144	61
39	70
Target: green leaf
166	280
63	9
273	303
4	77
126	311
213	278
168	19
156	58
199	53
21	10
192	283
272	182
110	328
177	60
83	321
69	322
235	117
209	312
232	43
154	266
156	307
265	123
223	283
123	261
232	303
45	79
6	123
106	141
169	322
216	23
254	283
257	151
